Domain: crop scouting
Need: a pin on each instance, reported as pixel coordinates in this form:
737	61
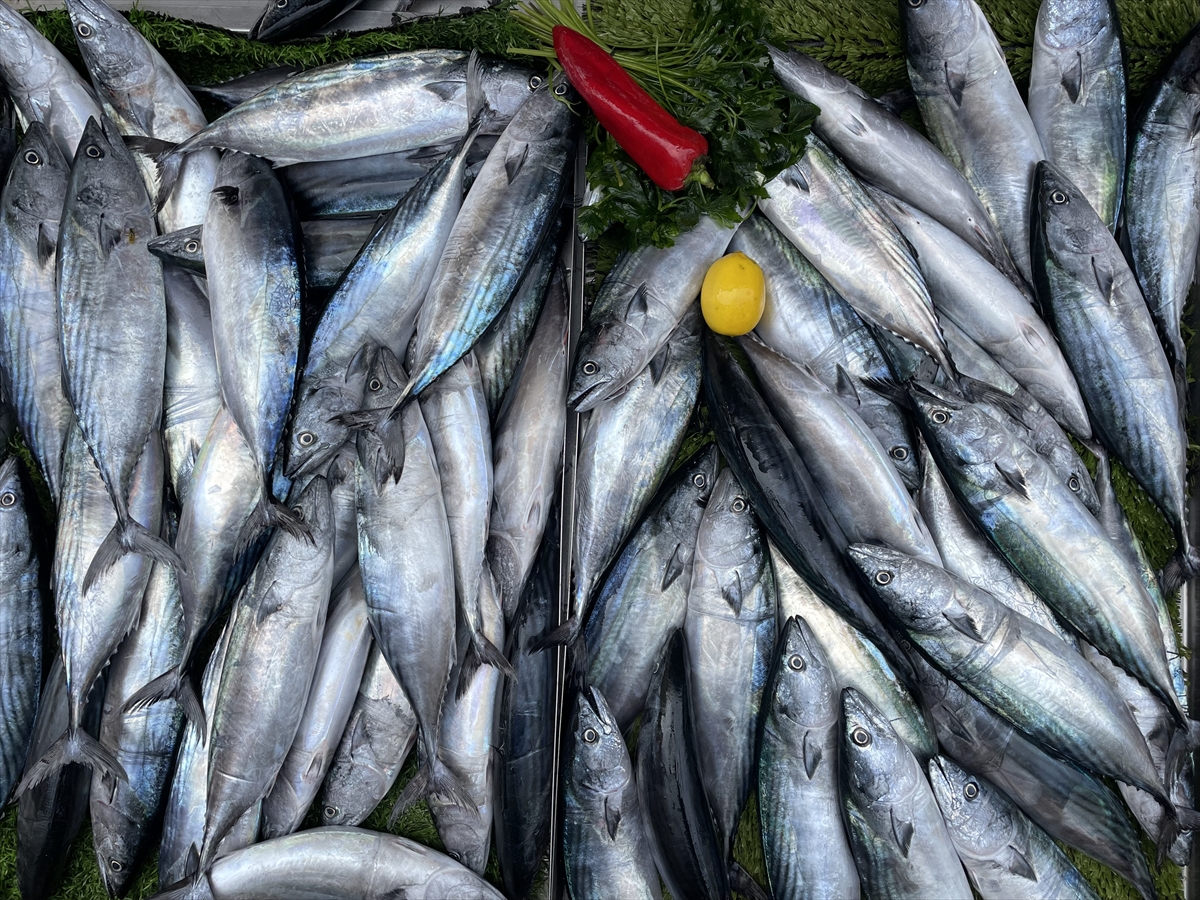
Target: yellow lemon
734	295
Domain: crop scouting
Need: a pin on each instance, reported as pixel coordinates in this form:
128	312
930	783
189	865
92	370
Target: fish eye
940	416
698	480
900	453
116	865
33	158
84	30
331	812
191	246
535	82
883	577
971	790
453	854
738	505
905	646
298	512
1058	197
1073	483
861	737
590	368
560	90
796	662
306	438
8	499
281	3
375	384
93	151
591	735
916	4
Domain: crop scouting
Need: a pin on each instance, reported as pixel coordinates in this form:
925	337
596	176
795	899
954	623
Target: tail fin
481	652
570	635
743	883
125	537
76	746
431	780
167	159
1180	569
194	887
270	514
172	684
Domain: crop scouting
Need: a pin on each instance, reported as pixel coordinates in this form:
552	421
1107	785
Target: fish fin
1104	279
1014	477
962	621
480	651
673	569
110	235
125	537
191	887
733	594
172	684
1072	78
855	126
903	832
898	101
1032	336
143	114
515	161
955	83
1019	865
557	637
612	815
445	90
813	754
956	727
167	162
75	746
658	364
844	386
796	179
268	605
417	787
743	883
477	105
46	245
280	516
637	307
358	419
227	194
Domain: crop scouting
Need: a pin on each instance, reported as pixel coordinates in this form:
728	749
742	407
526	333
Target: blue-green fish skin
805	848
1004	853
899	841
1077	98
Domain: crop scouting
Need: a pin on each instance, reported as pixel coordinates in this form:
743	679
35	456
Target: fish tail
129	536
193	887
480	652
76	746
1179	570
743	883
564	635
172	684
167	159
417	787
269	514
477	105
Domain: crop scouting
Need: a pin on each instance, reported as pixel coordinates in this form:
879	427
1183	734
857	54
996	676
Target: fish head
19	41
609	358
981	823
700	474
183	248
1064	223
805	690
385	380
116	836
548	114
37	181
938	30
729	534
105	184
276	18
601	760
12	503
955	429
1072	25
876	764
316	432
115	53
507	86
807	77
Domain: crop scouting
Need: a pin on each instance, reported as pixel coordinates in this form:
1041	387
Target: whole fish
381	731
377	301
679	823
973	111
407	568
1072	805
43	85
506	215
341	661
643	297
336	863
20	628
297	18
993	312
1077	98
899	841
1005	854
624	456
240	89
144	741
848	465
644	599
730	636
888	152
1047	535
808	322
1094	302
1162	197
527	454
805	848
90	632
30	208
110	294
276	632
468	717
781	489
254	292
524	733
605	846
833	221
854	659
502	347
1013	665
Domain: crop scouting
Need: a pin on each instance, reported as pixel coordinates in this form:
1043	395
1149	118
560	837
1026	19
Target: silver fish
301	18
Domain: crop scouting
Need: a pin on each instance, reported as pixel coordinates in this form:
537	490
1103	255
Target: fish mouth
584	399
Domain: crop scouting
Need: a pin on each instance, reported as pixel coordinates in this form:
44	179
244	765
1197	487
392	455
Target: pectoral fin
612	814
515	161
813	753
902	831
1072	78
1013	477
963	621
955	83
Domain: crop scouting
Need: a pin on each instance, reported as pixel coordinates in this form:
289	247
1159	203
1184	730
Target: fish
1013	665
1004	853
679	824
21	635
1006	324
43	85
606	850
110	294
973	112
806	851
504	218
297	18
886	151
1077	99
641	301
899	841
278	619
807	321
183	248
340	664
527	456
30	208
823	209
240	89
644	598
1093	301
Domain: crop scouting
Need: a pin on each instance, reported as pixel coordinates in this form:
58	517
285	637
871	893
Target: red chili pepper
670	153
